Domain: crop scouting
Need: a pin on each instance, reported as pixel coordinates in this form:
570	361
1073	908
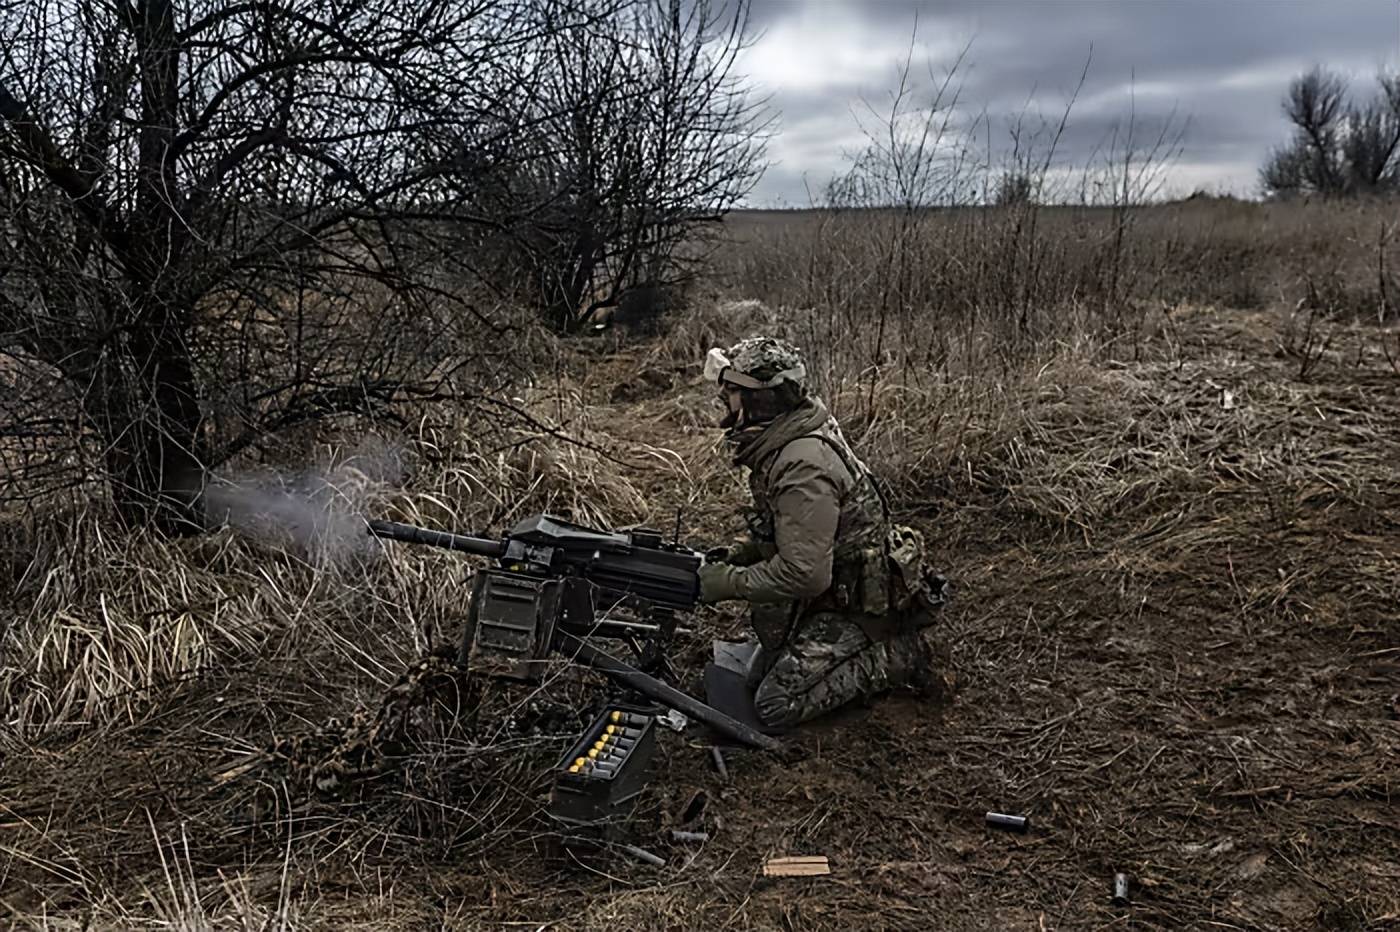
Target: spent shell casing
1120	889
641	854
717	757
1010	823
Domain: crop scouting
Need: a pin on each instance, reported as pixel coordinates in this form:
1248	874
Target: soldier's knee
776	706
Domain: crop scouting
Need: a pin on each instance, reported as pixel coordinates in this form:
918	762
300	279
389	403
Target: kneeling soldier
838	594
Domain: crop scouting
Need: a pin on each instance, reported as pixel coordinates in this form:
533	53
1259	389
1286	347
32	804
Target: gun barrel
412	534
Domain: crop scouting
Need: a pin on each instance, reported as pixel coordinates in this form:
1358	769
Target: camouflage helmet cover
767	360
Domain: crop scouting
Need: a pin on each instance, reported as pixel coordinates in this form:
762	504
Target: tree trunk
151	428
153	424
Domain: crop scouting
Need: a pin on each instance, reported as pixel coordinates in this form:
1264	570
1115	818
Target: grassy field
1156	451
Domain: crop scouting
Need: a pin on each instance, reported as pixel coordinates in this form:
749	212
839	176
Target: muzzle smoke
317	513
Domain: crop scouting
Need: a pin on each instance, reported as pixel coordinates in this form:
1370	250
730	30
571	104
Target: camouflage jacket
818	522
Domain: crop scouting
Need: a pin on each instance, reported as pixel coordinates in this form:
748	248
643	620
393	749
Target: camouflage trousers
829	662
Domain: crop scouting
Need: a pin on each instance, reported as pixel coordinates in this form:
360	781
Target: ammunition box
597	797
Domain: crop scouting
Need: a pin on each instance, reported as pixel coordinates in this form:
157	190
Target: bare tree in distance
1371	141
1127	172
918	153
1338	148
206	206
1014	187
644	136
902	237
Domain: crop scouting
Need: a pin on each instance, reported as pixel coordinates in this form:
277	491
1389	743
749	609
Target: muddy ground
1176	650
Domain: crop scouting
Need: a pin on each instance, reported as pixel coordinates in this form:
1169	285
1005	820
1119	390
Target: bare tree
917	155
1337	148
644	135
1370	148
1285	171
206	206
1314	105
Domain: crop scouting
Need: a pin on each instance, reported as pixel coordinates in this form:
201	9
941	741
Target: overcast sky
1221	63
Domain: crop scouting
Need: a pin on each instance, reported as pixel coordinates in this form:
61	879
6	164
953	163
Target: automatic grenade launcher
556	584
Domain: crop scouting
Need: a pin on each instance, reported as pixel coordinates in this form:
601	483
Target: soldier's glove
718	582
745	554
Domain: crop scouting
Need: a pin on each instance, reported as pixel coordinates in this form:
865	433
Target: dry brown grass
1175	630
1039	262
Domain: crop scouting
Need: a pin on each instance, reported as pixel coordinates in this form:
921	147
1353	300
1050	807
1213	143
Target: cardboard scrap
802	866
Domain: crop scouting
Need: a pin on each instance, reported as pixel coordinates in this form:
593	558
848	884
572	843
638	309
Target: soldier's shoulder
809	451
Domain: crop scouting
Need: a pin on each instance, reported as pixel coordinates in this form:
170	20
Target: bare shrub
1306	334
1014	188
106	626
642	135
900	270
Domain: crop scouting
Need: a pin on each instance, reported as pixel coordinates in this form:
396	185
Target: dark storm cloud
1221	64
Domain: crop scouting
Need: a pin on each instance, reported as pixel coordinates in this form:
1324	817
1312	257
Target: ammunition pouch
860	584
860	591
885	590
916	591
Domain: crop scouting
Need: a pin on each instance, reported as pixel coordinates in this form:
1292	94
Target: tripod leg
672	698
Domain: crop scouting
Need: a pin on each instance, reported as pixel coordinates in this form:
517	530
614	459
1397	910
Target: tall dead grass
105	624
943	382
1027	276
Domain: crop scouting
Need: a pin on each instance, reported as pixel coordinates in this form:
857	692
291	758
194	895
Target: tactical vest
862	521
878	576
859	572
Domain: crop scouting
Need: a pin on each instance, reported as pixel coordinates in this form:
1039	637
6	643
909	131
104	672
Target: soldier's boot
897	661
912	666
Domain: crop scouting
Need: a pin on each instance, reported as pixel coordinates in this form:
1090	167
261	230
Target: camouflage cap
768	359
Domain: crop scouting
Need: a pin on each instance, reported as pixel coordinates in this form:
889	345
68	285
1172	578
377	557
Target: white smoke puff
318	513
